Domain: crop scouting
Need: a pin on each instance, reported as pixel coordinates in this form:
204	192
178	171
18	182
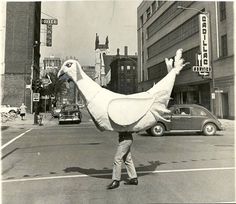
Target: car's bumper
221	129
64	119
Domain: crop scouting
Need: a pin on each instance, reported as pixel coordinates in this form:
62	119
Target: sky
78	23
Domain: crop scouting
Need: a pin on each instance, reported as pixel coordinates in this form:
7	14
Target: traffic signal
37	85
33	85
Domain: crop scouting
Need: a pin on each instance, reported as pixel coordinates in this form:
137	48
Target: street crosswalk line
14	139
107	174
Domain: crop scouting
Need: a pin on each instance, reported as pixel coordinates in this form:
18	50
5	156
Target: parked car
55	112
70	113
187	118
81	105
9	109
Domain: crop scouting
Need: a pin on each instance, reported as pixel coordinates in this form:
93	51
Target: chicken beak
60	74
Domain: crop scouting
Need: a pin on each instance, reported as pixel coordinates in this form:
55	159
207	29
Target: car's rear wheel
209	129
158	130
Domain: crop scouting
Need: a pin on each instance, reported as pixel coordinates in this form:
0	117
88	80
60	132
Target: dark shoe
133	181
113	184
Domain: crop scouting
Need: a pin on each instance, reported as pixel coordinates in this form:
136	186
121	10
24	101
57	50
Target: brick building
165	26
52	63
123	72
21	51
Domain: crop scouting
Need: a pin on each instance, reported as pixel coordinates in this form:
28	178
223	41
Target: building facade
21	52
165	26
52	62
123	73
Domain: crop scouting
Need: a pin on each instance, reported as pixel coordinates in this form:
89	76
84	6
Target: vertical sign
49	23
204	40
49	36
203	58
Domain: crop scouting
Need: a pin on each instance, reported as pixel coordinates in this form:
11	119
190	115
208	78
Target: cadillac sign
203	60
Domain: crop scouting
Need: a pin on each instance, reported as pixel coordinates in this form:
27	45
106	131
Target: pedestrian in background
22	111
123	154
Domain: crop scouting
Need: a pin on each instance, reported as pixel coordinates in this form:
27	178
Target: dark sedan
70	113
187	118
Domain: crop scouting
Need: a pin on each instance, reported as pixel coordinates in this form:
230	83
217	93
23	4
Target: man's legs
129	164
122	150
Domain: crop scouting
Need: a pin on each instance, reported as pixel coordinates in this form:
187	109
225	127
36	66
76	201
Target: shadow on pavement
4	127
142	170
180	134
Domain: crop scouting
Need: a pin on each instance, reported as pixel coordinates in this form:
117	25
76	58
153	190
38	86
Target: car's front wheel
209	129
157	130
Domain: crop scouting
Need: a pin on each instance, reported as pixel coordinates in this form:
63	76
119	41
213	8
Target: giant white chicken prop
118	112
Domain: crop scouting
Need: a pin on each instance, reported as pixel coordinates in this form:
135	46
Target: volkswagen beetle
187	118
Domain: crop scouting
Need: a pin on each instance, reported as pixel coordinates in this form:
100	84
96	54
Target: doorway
225	105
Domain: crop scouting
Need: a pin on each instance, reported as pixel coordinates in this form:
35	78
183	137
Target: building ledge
223	58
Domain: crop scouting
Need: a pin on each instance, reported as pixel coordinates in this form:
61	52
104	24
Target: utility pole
35	82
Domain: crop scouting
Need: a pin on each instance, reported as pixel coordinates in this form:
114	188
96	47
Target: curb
28	122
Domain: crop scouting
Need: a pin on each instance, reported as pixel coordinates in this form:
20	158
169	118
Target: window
224	47
184	111
141	20
148	12
222	11
167	16
122	68
154	6
198	111
128	69
181	111
128	81
157	71
187	29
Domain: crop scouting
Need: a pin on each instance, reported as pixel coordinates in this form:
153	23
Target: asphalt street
72	163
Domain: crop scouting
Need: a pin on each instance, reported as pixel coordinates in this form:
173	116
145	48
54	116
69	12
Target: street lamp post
211	52
34	107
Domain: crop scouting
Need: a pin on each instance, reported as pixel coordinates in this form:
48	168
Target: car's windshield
70	108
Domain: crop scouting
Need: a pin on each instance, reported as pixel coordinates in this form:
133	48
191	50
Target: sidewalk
227	123
29	121
49	121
